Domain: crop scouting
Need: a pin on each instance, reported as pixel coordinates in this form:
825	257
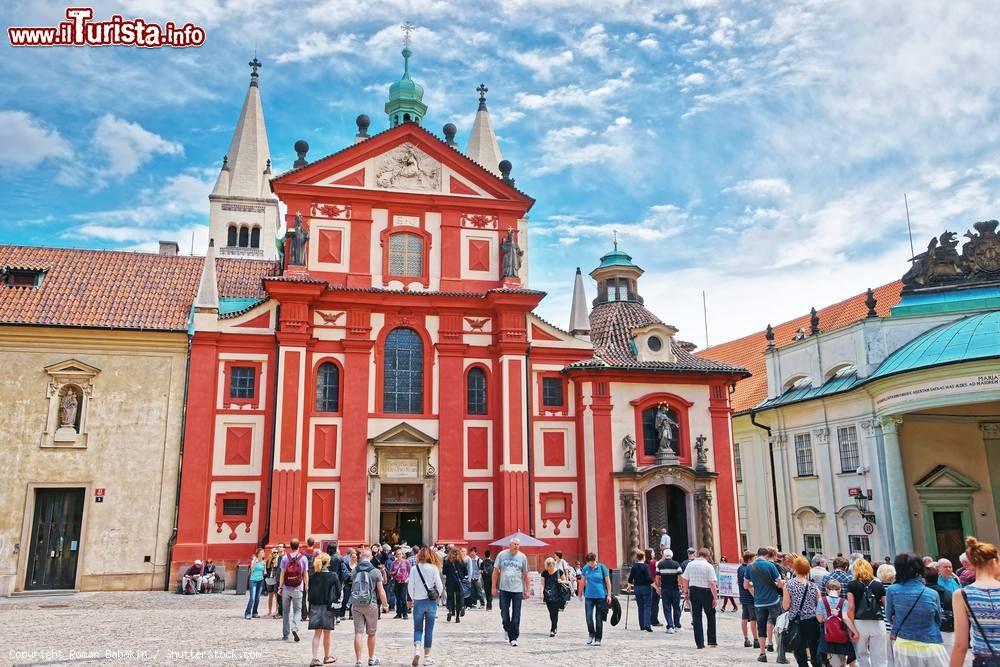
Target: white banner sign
727	580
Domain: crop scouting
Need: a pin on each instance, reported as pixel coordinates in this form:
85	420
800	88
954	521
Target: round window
654	343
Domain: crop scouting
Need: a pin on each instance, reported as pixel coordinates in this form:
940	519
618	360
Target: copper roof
611	326
748	351
118	289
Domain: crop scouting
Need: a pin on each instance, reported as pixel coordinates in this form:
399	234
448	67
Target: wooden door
55	539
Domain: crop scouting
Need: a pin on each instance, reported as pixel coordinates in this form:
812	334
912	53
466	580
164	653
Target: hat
197	562
691	550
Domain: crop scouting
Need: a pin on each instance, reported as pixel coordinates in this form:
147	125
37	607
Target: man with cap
189	583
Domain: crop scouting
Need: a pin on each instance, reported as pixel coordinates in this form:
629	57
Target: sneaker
415	661
552	633
782	661
428	660
295	635
374	661
746	643
756	643
762	657
770	648
359	664
590	641
513	642
597	642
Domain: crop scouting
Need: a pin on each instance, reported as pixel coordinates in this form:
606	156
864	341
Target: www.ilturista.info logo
80	30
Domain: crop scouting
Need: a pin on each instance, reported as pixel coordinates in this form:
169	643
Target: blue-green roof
967	339
616	258
949	301
838	383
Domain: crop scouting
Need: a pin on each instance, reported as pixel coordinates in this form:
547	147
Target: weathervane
614	235
407	29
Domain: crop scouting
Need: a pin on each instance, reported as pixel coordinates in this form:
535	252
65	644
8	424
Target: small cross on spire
407	29
254	66
614	235
482	90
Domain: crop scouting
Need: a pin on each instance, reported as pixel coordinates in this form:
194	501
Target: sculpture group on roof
941	264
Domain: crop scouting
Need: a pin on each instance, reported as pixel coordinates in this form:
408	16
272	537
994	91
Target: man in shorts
367	592
764	581
749	616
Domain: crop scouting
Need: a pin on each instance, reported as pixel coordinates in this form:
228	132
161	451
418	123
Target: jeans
643	599
809	629
291	610
255	589
654	607
510	613
553	606
871	646
401	594
476	593
424	616
488	591
595	608
702	600
671	600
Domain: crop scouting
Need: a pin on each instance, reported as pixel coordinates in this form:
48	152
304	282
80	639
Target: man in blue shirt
764	581
840	573
946	576
749	615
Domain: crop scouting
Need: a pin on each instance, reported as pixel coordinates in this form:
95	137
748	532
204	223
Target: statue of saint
701	456
510	256
628	444
298	245
664	431
68	407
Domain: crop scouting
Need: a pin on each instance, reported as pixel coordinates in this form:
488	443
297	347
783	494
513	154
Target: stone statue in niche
510	256
628	444
701	463
69	407
298	245
669	448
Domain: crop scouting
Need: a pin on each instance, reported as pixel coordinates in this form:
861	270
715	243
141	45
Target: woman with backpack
486	567
799	598
866	609
554	587
456	571
424	587
324	592
838	629
914	614
977	608
595	580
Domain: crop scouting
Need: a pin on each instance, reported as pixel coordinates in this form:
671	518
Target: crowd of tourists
907	611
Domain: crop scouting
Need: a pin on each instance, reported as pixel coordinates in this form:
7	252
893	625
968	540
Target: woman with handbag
324	592
553	583
977	608
914	613
424	587
799	598
456	573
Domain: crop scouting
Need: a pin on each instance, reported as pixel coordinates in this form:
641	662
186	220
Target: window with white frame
860	544
406	255
804	455
850	457
812	544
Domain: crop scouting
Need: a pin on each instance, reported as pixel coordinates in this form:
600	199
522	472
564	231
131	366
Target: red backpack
293	571
834	627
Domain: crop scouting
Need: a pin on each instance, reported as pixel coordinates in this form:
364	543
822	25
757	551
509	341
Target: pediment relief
404	435
407	167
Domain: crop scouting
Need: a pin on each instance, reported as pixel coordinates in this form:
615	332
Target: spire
208	290
248	154
483	147
579	317
405	103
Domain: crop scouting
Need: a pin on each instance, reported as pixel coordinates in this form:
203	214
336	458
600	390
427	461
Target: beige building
873	425
95	353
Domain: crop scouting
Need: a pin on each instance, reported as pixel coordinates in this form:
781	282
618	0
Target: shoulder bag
432	593
793	632
991	660
895	633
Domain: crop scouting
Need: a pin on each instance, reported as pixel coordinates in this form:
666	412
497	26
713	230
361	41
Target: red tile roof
118	289
748	351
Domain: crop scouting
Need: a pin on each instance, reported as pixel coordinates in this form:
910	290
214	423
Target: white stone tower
483	146
243	212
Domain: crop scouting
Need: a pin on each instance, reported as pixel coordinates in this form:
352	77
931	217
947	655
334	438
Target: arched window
650	436
475	392
406	255
328	388
255	237
244	237
231	236
403	373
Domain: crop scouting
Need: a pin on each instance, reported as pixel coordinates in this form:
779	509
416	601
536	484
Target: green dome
405	97
616	258
973	337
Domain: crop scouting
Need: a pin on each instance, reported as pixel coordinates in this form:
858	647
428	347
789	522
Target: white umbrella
526	541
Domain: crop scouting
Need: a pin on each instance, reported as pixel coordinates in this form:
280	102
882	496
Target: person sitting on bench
190	583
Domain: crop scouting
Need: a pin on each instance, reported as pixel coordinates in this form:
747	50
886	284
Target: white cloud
317	45
127	146
576	145
694	79
182	198
26	142
542	63
761	188
574	95
725	32
660	222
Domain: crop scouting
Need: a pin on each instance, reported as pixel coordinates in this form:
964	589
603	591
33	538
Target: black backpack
869	603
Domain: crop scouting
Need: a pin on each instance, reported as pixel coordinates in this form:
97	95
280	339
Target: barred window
860	544
328	388
234	506
737	462
241	381
850	457
476	392
403	373
552	392
406	255
804	455
813	544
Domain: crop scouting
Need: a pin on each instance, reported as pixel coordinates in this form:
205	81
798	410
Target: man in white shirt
664	540
700	584
819	571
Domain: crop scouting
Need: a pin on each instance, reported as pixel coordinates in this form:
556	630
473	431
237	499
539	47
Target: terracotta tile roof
118	289
611	326
748	351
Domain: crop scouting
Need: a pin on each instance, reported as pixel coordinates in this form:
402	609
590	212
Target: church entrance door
402	514
667	507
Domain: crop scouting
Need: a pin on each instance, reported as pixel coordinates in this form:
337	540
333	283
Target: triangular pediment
406	158
543	334
403	434
946	478
72	367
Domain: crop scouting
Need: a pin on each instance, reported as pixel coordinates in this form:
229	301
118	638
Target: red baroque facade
397	386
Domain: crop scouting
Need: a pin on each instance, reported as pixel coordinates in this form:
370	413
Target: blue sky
755	150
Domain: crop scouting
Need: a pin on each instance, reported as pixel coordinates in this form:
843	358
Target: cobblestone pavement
157	627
